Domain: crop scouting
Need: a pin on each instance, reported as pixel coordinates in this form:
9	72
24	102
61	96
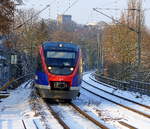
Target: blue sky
82	12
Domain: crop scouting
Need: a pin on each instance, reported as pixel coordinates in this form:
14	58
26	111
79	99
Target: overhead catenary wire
47	6
31	17
109	9
95	9
118	9
70	6
138	30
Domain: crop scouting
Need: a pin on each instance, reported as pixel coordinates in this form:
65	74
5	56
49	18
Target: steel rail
89	117
145	106
97	123
131	109
3	95
7	84
127	125
24	124
64	125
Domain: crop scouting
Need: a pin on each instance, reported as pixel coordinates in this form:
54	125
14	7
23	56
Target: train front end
59	70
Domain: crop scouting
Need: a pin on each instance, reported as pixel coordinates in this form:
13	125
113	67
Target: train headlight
60	45
71	68
49	67
36	77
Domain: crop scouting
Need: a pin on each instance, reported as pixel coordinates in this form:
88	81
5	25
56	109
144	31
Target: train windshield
60	55
60	58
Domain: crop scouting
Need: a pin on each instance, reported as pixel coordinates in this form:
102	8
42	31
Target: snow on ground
144	99
41	109
118	100
73	119
108	112
22	104
17	104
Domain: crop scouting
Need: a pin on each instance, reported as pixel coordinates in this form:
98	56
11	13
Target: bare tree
19	1
7	8
121	42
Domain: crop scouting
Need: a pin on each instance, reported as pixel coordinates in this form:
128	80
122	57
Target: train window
61	59
61	55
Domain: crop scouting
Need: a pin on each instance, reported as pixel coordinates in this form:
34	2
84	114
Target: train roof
60	46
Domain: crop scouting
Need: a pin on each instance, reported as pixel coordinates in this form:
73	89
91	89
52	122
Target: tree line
119	42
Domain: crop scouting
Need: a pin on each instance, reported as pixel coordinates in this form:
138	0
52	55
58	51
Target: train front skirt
47	92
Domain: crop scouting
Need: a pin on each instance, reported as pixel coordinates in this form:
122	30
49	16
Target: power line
138	30
118	9
132	29
70	6
47	6
109	9
31	17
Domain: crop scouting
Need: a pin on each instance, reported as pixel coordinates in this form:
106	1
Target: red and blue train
59	70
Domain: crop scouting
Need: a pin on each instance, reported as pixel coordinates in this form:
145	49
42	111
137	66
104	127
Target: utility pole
137	31
98	52
100	59
139	36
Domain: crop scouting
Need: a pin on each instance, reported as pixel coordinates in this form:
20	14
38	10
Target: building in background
64	19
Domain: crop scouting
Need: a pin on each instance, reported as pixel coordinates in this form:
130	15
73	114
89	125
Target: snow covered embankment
22	109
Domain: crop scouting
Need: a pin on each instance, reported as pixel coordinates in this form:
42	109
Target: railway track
12	121
146	106
84	114
89	117
99	124
127	125
62	123
118	103
4	94
27	124
76	110
21	124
